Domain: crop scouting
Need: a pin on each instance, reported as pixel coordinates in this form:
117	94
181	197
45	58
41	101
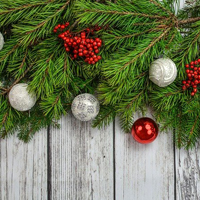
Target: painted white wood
81	161
23	168
144	171
188	174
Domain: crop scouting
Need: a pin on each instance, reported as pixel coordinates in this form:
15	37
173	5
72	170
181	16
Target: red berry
195	72
96	59
80	54
187	85
187	71
192	63
67	49
192	66
62	26
195	76
87	40
96	51
99	57
195	69
196	82
184	82
98	44
95	47
91	59
198	76
97	39
54	30
75	51
184	87
67	24
75	55
192	93
89	45
194	90
194	86
187	66
80	50
196	62
85	51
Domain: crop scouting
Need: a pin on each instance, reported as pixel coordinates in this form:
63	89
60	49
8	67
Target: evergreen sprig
134	34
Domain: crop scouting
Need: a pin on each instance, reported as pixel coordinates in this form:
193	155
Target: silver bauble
85	107
162	72
1	41
20	98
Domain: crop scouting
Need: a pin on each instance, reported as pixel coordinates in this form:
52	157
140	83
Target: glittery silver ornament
162	72
85	107
20	98
1	41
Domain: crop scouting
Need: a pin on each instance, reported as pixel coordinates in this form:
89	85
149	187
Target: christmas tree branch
147	48
18	80
189	21
49	18
22	7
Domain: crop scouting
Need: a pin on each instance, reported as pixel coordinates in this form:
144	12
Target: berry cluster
193	75
79	44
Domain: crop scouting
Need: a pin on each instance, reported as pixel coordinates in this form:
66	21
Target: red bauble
145	130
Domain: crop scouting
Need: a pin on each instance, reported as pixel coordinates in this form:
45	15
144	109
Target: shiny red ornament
145	130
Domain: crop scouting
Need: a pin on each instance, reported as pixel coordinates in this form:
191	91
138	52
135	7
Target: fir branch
48	19
18	80
125	13
188	21
195	122
147	48
22	7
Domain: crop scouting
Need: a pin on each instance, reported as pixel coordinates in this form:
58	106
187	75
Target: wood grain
188	174
23	168
144	172
81	161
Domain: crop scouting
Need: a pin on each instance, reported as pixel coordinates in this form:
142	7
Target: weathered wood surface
81	161
78	162
144	172
188	174
23	168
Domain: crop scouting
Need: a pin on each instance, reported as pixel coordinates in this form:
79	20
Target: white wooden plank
188	173
81	162
23	168
144	171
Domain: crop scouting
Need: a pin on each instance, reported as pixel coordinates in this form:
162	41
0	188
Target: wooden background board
77	162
